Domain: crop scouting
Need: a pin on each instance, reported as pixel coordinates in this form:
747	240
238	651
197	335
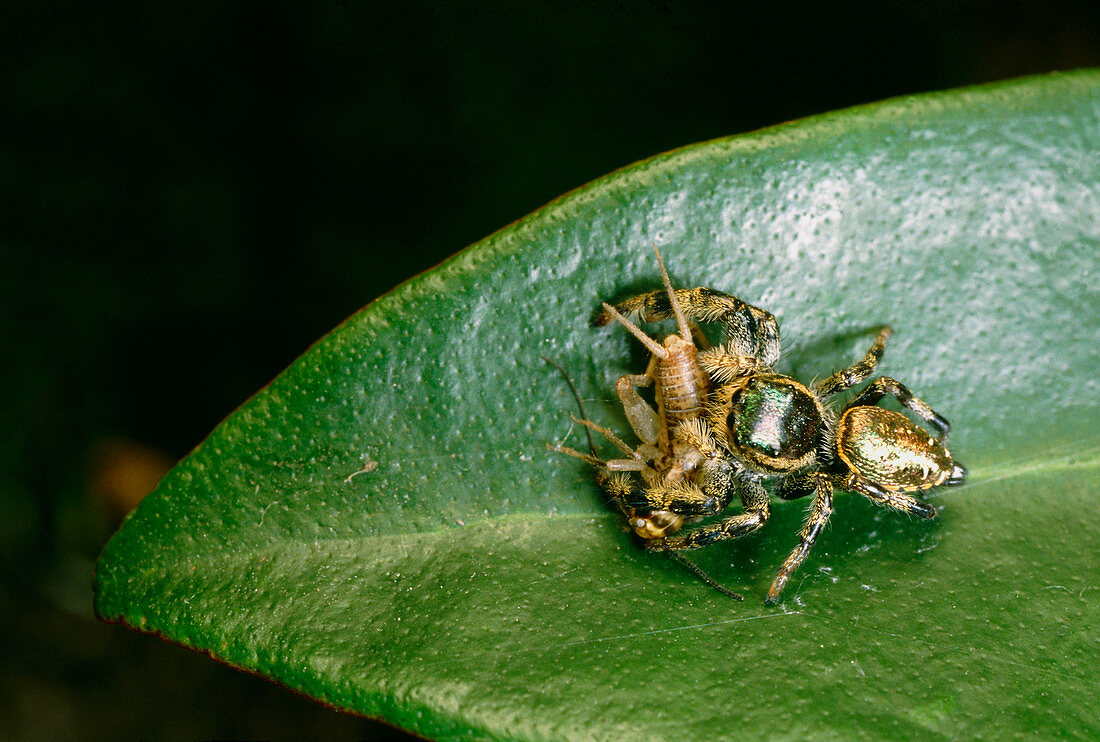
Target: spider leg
891	499
682	497
749	330
820	511
621	489
617	486
795	486
755	501
858	372
884	385
723	365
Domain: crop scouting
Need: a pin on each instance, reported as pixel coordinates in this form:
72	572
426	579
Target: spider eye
776	418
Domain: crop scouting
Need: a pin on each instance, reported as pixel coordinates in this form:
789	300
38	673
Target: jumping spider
773	426
757	425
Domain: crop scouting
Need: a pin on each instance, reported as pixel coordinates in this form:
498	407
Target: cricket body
680	390
685	476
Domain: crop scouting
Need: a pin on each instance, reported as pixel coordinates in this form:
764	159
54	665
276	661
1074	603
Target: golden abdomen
891	450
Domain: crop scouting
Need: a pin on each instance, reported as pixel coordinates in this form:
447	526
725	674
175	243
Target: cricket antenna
577	397
651	345
681	320
698	572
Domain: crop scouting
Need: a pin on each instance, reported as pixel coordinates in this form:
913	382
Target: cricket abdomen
682	386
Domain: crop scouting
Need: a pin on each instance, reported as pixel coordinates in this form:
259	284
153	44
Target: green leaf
383	528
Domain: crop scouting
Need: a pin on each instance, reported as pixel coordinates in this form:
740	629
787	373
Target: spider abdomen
891	451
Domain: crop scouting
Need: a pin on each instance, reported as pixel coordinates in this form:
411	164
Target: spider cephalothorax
770	423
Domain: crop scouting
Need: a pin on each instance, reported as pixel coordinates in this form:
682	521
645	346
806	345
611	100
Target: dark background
191	195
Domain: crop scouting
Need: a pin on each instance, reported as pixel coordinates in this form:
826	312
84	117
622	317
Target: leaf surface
383	528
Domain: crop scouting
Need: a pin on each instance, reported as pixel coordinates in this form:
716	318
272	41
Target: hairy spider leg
820	510
858	372
748	330
754	501
884	385
899	501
